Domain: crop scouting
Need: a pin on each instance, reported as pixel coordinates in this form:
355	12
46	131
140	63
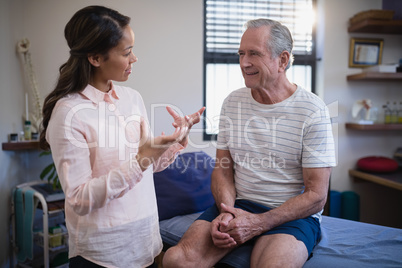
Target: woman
101	146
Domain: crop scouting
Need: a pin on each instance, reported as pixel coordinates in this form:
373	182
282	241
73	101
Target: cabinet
52	214
372	26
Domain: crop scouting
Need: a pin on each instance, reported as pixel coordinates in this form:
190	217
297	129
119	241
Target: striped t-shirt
271	143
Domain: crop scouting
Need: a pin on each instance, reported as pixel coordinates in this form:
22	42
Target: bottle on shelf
27	130
400	113
394	113
387	113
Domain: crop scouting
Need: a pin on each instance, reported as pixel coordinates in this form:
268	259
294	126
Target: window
223	27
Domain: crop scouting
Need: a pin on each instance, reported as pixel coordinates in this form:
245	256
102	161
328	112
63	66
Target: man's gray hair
280	37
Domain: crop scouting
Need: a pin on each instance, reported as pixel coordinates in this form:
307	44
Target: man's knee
171	257
278	250
195	248
176	257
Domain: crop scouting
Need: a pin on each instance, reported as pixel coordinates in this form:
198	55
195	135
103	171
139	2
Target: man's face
259	69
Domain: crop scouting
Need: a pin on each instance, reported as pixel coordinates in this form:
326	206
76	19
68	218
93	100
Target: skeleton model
36	116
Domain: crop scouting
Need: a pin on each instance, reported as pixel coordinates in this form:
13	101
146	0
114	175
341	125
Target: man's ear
284	59
94	59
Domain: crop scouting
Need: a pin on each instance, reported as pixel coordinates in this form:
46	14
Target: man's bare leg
278	250
195	249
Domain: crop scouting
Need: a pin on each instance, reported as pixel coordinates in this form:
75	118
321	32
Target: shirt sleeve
71	155
318	141
168	157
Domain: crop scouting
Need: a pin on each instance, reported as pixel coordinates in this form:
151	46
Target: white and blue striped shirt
270	144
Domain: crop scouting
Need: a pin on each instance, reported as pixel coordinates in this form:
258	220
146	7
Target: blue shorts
307	230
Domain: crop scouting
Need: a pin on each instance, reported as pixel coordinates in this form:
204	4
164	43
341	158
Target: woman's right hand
151	148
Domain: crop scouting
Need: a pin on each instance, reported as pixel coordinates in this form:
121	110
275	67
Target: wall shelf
375	76
377	26
392	180
373	126
22	145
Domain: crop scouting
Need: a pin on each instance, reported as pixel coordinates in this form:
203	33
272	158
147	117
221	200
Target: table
392	180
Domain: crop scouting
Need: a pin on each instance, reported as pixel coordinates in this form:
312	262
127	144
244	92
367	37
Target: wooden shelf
373	126
23	145
392	180
375	76
377	26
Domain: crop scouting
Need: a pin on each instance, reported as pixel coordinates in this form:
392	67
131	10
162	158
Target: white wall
16	167
169	39
378	203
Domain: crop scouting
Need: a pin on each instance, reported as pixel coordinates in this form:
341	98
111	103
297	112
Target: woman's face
117	65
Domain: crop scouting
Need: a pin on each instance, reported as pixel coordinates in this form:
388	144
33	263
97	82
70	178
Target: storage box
376	14
55	240
55	230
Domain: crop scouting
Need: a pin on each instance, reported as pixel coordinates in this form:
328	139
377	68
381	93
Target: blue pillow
185	186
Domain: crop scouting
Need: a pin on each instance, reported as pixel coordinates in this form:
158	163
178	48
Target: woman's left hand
185	123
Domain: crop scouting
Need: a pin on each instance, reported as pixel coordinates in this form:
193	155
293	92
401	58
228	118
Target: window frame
233	58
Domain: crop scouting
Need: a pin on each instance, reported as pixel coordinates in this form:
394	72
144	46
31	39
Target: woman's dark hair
92	30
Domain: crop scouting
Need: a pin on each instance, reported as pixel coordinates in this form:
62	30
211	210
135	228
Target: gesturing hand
185	123
150	148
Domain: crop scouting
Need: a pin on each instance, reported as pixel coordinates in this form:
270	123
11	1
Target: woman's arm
84	190
92	176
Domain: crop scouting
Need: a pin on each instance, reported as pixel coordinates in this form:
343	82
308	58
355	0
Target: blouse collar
96	96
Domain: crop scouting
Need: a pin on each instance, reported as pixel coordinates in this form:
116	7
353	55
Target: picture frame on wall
365	52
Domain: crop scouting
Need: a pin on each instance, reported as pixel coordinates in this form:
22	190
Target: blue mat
24	214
